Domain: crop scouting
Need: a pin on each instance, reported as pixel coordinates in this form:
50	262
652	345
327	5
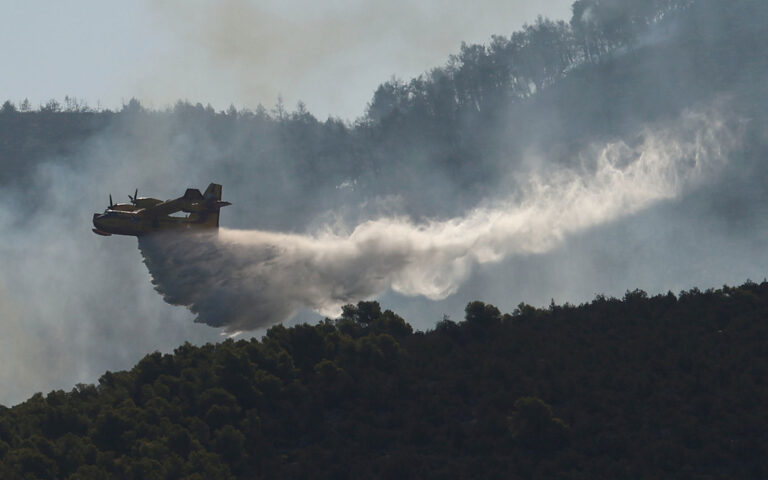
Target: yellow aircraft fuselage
132	223
149	215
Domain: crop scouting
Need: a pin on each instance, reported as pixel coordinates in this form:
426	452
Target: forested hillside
640	387
447	139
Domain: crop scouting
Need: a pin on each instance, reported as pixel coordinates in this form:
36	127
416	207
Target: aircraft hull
128	223
144	216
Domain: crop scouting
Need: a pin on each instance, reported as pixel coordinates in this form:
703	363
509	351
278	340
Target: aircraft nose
95	218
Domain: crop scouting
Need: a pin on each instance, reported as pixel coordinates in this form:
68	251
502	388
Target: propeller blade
110	200
135	194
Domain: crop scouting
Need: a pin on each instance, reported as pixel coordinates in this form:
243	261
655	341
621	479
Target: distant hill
445	140
640	387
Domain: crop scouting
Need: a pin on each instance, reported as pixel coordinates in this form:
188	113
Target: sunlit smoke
248	279
331	55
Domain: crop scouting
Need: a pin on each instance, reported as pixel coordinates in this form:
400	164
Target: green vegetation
643	387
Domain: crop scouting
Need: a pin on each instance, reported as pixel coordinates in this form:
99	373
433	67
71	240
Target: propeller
110	201
134	197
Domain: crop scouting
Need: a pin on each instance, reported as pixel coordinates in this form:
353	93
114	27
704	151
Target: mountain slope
667	386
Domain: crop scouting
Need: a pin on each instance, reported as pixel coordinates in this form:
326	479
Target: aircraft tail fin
209	218
213	192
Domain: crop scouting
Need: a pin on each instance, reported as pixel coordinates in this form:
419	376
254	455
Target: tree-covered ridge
664	386
520	65
551	88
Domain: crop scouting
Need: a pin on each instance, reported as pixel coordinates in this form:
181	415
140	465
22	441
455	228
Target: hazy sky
330	54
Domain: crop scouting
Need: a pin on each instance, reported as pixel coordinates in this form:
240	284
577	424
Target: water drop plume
249	279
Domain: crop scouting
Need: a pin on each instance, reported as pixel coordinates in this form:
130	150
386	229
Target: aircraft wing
166	208
192	201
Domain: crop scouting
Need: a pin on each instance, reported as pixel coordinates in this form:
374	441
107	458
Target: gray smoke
252	52
74	304
249	279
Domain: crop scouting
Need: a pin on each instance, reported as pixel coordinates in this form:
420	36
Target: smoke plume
253	52
249	279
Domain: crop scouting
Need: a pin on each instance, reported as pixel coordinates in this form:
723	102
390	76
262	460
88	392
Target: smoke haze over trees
543	100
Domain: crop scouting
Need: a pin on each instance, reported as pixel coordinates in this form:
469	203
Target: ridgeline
640	387
443	141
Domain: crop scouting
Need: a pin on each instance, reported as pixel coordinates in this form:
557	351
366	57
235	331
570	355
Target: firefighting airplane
149	215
